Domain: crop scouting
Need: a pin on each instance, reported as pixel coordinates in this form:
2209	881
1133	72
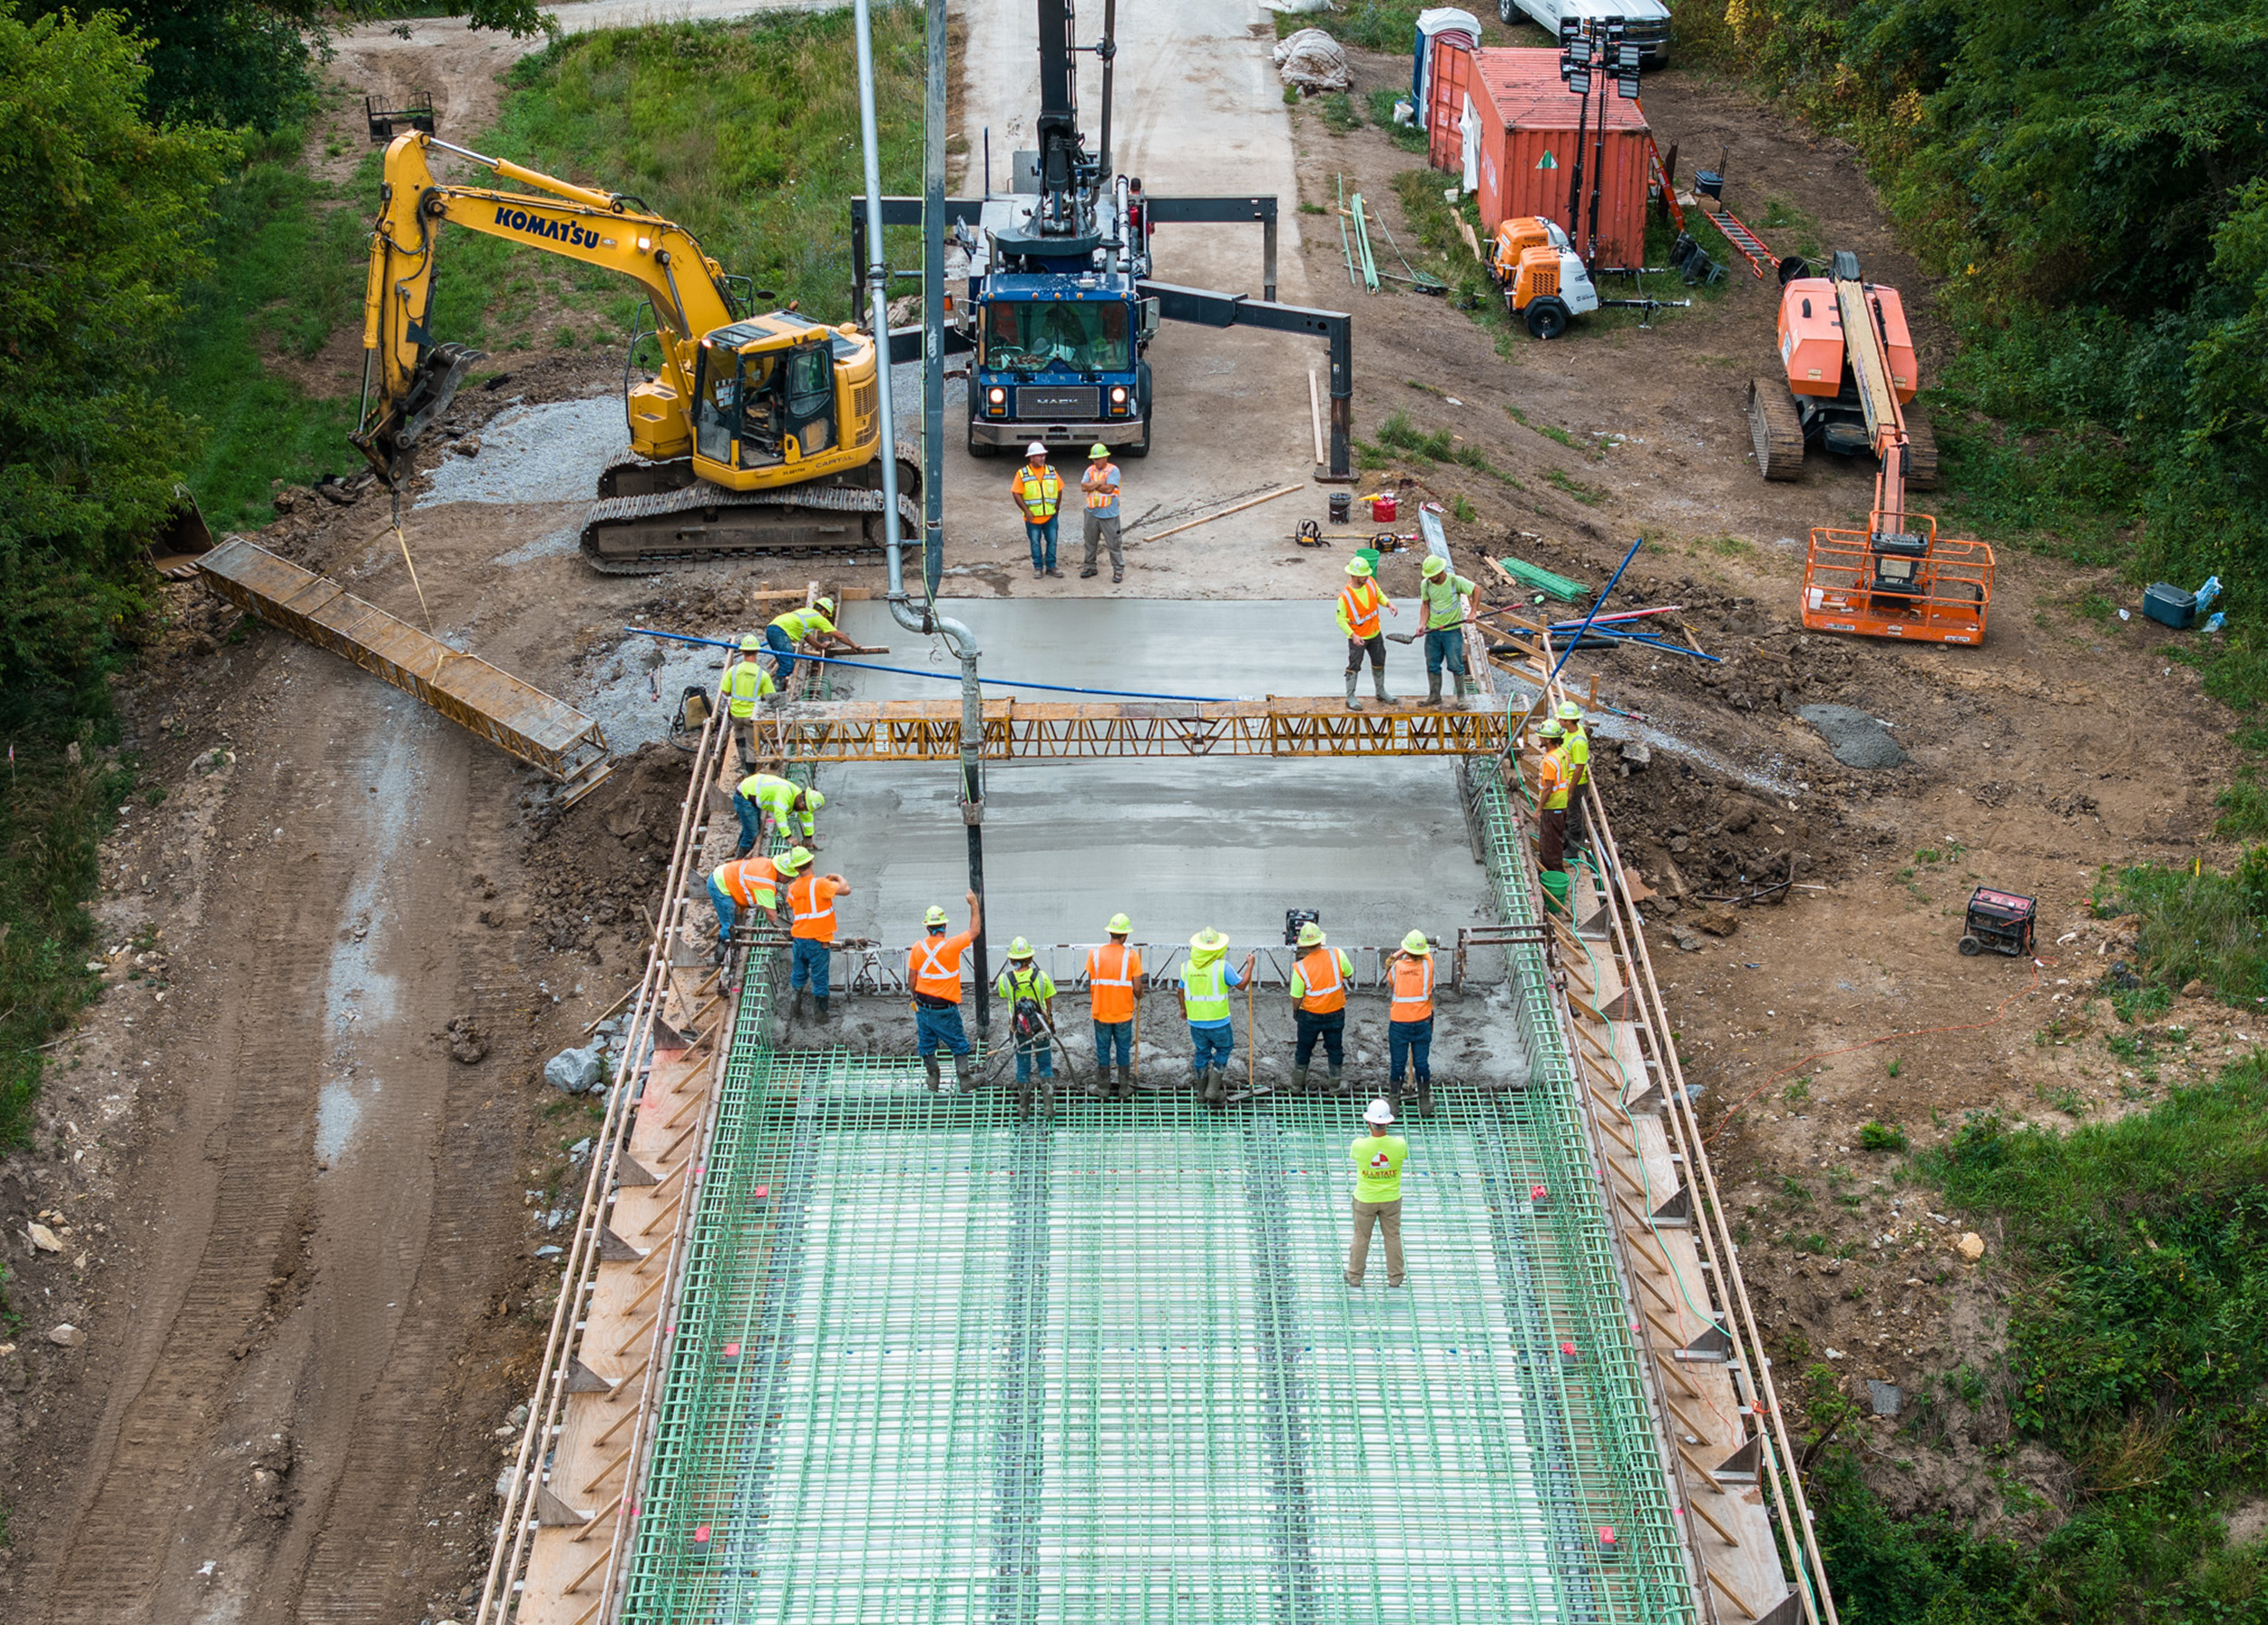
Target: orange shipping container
1500	119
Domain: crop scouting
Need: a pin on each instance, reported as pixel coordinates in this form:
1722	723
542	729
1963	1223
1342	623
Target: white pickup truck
1644	21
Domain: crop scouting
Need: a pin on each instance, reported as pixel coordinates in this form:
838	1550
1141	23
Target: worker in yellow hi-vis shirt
1378	1156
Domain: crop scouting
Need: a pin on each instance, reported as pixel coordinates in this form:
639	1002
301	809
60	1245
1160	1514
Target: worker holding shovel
1446	600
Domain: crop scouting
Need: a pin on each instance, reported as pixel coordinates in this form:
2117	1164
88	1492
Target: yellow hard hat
1550	729
1209	938
1569	712
1098	450
1358	566
827	604
1434	564
1415	943
936	918
1020	949
794	858
1311	935
813	799
750	643
1121	924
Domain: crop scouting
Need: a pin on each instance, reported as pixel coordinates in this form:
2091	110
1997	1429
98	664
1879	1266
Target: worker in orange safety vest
750	883
1554	778
1115	980
1409	1021
1360	602
933	967
1318	990
811	906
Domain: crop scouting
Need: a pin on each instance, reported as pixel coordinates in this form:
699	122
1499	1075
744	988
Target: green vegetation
1882	1137
2135	1354
2199	926
1408	137
1588	494
1398	435
1373	24
1339	114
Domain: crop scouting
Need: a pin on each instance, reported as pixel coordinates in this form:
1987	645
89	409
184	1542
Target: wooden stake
1225	513
1315	413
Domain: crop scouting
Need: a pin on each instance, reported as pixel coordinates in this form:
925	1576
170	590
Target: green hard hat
936	919
1434	565
1311	935
1121	924
1098	450
1209	938
1550	728
1020	949
813	800
1415	943
1569	712
794	857
750	643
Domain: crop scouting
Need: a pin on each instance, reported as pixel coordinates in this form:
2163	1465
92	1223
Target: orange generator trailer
1850	365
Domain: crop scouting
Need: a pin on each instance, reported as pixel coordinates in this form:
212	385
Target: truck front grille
1035	401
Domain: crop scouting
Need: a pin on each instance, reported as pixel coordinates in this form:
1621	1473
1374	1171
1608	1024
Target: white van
1647	21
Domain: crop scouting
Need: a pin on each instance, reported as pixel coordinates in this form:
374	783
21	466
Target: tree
101	217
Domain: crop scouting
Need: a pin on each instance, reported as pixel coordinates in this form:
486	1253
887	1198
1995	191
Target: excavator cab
762	399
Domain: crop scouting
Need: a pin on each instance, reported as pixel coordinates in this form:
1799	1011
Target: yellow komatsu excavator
756	434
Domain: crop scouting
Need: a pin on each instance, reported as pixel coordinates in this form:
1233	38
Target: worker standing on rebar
1115	980
1360	602
745	682
1318	990
791	807
1552	771
1577	752
789	632
811	908
750	883
1039	492
1206	978
1378	1156
1100	486
1409	1021
933	967
1024	982
1444	599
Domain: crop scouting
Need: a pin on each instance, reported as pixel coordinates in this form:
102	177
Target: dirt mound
603	857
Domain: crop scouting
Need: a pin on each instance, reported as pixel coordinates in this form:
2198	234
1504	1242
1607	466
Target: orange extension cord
1997	1013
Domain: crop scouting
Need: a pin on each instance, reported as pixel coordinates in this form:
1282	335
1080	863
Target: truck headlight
1118	396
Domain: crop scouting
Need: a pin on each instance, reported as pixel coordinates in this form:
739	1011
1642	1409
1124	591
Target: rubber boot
795	1010
1426	1097
1378	681
1432	687
1394	1097
1099	1087
1352	704
936	1078
1338	1083
961	1078
1126	1082
818	1010
1466	687
1197	1082
1299	1081
1216	1088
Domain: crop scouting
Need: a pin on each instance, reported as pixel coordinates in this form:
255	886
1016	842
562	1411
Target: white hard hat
1038	448
1378	1111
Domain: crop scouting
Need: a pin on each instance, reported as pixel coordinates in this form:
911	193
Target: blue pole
1598	604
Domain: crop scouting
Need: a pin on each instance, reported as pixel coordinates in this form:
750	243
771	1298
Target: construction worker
811	908
1319	984
750	883
1378	1156
814	626
1024	981
1206	978
1359	603
933	967
1577	750
1039	492
745	681
1115	980
1409	1021
1445	600
1100	483
785	803
1551	773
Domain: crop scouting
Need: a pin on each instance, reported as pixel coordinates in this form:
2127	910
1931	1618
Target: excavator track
1777	432
655	517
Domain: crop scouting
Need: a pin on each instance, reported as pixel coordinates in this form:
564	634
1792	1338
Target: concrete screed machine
1058	307
756	431
1850	365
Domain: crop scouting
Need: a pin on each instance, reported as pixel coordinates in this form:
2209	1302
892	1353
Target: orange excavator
1850	364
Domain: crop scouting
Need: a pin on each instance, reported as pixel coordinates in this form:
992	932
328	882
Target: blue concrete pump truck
1060	307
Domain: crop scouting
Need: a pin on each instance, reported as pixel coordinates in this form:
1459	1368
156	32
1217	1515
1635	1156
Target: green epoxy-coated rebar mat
953	1367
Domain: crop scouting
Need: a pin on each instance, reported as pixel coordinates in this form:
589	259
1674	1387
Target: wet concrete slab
1377	845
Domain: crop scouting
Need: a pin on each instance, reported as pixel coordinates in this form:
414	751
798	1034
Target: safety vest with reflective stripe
1039	492
935	965
799	624
753	881
812	899
777	796
1111	973
1413	988
1323	974
1551	783
1205	991
1101	482
743	682
1359	603
1577	748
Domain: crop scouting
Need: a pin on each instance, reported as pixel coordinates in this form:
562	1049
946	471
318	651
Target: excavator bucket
182	538
389	444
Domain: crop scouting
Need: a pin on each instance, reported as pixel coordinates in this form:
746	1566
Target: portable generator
2000	922
1293	918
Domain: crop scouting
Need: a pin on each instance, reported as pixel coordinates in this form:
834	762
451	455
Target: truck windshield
1074	334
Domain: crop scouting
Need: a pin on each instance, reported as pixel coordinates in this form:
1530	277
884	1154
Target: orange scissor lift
1842	336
